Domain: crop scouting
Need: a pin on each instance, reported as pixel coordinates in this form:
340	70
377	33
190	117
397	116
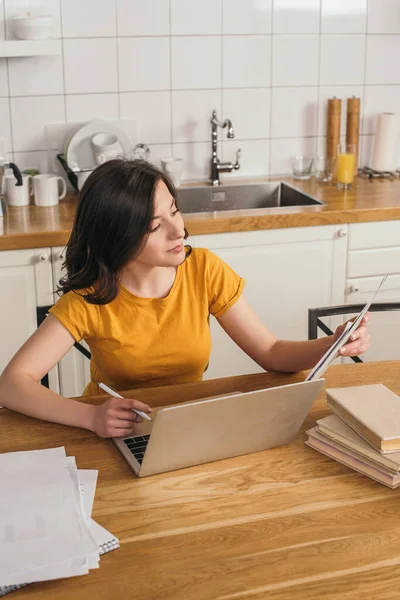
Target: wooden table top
283	524
36	227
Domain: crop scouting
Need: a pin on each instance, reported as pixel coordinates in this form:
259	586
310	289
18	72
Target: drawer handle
61	256
43	257
342	233
354	288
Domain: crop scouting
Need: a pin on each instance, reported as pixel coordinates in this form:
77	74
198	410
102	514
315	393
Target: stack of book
363	433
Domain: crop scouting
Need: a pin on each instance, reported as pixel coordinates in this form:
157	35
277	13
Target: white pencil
112	392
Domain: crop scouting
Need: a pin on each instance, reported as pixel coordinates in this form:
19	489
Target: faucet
216	166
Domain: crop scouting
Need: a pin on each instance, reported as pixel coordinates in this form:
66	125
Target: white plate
80	154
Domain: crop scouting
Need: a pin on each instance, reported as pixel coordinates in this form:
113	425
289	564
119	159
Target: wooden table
287	523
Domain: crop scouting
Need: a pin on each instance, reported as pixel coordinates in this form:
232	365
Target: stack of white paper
45	527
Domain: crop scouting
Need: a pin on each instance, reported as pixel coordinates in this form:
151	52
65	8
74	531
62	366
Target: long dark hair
111	226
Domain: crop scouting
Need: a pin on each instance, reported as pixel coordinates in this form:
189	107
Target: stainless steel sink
242	197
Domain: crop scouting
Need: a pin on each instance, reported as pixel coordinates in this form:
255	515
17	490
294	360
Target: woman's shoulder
202	257
74	298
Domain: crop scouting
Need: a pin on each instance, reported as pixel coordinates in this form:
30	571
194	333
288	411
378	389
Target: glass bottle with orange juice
345	165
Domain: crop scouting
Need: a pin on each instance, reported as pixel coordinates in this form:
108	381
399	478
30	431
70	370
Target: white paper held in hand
115	394
331	354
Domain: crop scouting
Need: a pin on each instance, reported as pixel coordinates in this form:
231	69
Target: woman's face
164	246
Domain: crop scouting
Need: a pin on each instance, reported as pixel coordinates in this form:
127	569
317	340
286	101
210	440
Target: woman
141	299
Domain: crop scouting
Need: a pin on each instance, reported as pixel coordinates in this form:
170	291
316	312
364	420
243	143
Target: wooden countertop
283	524
35	227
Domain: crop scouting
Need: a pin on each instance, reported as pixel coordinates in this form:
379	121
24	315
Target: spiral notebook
105	540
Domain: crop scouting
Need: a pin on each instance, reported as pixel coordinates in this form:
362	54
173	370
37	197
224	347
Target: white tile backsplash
295	60
249	111
343	16
383	52
5	122
254	157
246	16
267	65
379	99
196	62
246	61
46	76
86	107
191	114
4	89
342	60
291	16
194	18
135	17
89	18
294	112
90	65
152	112
28	117
143	64
384	16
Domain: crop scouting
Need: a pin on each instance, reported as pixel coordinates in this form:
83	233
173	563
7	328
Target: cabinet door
384	327
73	368
25	283
287	271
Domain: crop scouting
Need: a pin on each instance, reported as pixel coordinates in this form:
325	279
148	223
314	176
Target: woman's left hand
358	341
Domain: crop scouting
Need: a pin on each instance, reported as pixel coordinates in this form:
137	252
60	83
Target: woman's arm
272	354
20	387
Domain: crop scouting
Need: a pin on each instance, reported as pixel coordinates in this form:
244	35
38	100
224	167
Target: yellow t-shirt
143	342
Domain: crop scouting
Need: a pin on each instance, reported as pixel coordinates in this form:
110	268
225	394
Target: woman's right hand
115	417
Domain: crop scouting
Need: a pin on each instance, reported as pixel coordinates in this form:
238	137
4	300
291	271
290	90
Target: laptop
202	431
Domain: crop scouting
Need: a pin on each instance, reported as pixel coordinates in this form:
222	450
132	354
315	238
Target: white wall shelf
12	48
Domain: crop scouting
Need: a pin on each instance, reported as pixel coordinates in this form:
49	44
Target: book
341	434
364	467
373	411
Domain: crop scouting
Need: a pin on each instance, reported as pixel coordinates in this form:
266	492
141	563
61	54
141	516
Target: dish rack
57	136
72	175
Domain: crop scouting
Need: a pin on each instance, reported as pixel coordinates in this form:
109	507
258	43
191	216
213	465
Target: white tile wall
292	16
268	65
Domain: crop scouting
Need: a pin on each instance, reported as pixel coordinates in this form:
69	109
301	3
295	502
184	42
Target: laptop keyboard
137	445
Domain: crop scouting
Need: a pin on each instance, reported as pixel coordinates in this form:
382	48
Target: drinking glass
324	166
301	166
345	165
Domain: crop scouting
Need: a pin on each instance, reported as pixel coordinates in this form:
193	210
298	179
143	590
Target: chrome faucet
216	166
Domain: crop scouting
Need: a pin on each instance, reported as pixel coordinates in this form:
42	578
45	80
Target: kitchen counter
283	524
36	227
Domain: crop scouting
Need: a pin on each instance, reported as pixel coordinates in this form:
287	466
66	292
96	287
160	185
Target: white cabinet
73	368
287	271
374	250
25	283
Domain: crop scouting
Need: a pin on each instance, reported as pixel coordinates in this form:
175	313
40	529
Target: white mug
105	146
173	168
45	189
17	195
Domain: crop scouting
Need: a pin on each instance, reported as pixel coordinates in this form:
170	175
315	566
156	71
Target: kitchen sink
242	197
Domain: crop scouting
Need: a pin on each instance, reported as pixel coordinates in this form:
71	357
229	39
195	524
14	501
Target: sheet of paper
332	353
41	517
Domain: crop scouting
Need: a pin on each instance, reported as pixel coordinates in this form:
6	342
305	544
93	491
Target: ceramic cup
46	189
173	168
105	146
17	195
